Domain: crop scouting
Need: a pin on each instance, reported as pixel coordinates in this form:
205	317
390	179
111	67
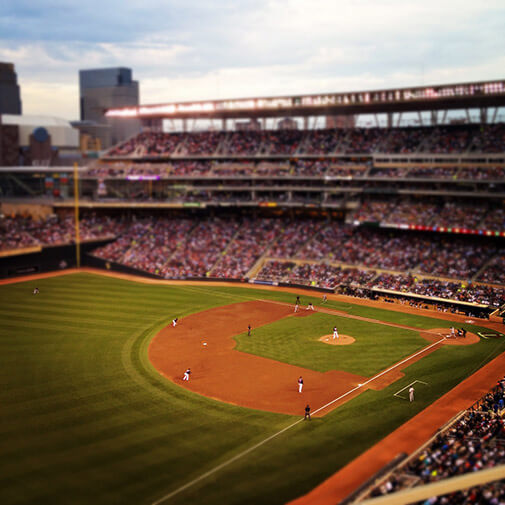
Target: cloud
192	50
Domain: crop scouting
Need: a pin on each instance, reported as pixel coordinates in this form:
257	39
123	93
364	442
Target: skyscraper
104	88
10	101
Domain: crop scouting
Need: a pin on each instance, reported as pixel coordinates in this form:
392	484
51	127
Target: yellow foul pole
76	217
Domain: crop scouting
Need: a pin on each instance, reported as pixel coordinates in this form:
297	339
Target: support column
390	119
483	115
434	118
494	114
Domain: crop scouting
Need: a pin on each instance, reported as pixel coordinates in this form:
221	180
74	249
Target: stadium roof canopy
440	97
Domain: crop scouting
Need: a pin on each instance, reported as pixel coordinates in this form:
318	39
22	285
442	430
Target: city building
104	88
10	101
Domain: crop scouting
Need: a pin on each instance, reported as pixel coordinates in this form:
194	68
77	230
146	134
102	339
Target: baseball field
94	409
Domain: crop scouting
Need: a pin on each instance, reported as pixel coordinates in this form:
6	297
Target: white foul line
259	444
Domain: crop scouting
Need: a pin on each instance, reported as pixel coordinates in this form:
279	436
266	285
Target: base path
222	373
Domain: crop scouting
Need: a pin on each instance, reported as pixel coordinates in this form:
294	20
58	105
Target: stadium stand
474	441
19	232
448	139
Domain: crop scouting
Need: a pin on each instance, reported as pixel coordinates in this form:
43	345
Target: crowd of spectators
148	144
201	143
448	140
321	141
18	232
451	214
475	441
406	212
349	171
293	236
441	139
489	139
389	172
284	141
244	143
362	140
403	140
250	242
495	270
436	172
157	243
461	291
482	173
323	275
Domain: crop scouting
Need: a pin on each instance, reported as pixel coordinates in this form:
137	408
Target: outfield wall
45	259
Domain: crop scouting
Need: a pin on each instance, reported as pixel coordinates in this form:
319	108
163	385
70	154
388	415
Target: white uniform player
300	384
174	322
335	333
187	373
411	393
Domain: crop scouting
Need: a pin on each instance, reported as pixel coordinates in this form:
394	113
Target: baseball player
174	322
411	393
325	298
453	332
307	412
335	333
249	330
36	291
187	373
300	384
310	307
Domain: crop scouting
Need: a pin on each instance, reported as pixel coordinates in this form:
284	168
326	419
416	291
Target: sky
196	50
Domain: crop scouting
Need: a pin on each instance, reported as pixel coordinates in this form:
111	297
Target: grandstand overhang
481	94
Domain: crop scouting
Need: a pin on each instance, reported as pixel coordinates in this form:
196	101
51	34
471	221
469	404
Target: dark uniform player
249	330
307	412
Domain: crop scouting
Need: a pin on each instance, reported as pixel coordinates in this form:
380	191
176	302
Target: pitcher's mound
341	340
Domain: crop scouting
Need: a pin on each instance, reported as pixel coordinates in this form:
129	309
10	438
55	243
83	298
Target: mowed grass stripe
71	401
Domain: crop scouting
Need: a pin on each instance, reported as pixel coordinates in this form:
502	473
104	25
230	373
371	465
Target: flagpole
76	217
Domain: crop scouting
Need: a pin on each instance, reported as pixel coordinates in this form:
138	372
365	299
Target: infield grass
85	418
295	340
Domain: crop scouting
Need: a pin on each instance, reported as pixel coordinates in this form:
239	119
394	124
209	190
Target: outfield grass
86	418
